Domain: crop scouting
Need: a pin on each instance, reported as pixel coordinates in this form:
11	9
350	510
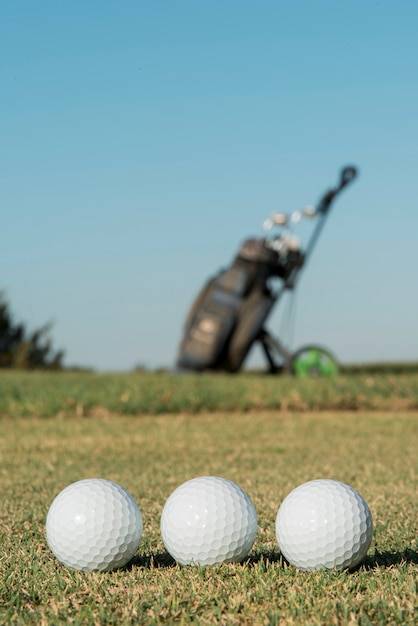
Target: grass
268	453
61	394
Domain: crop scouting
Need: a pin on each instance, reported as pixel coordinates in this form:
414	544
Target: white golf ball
324	524
94	524
208	520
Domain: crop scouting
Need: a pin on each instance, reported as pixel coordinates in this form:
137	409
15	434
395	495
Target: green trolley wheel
313	361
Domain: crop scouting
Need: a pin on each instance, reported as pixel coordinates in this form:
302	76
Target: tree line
24	349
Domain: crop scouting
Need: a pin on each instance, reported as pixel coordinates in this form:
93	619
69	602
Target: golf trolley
229	313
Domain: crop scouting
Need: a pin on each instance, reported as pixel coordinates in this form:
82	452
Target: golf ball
208	520
94	524
324	524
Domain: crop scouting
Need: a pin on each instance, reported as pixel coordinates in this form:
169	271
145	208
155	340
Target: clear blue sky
141	142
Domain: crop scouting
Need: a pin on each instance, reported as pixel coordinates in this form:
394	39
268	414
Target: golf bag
229	313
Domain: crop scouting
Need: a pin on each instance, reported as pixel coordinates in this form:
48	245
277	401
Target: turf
62	394
268	453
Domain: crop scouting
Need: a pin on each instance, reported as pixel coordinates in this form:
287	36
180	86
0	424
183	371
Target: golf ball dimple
94	524
324	524
207	521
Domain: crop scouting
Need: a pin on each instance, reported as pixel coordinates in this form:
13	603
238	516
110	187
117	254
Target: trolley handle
348	174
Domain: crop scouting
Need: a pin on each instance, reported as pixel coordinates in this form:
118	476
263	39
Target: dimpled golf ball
324	524
207	521
94	524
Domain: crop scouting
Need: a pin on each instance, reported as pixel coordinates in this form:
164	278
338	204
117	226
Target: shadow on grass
377	560
264	558
152	561
374	561
388	559
164	561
